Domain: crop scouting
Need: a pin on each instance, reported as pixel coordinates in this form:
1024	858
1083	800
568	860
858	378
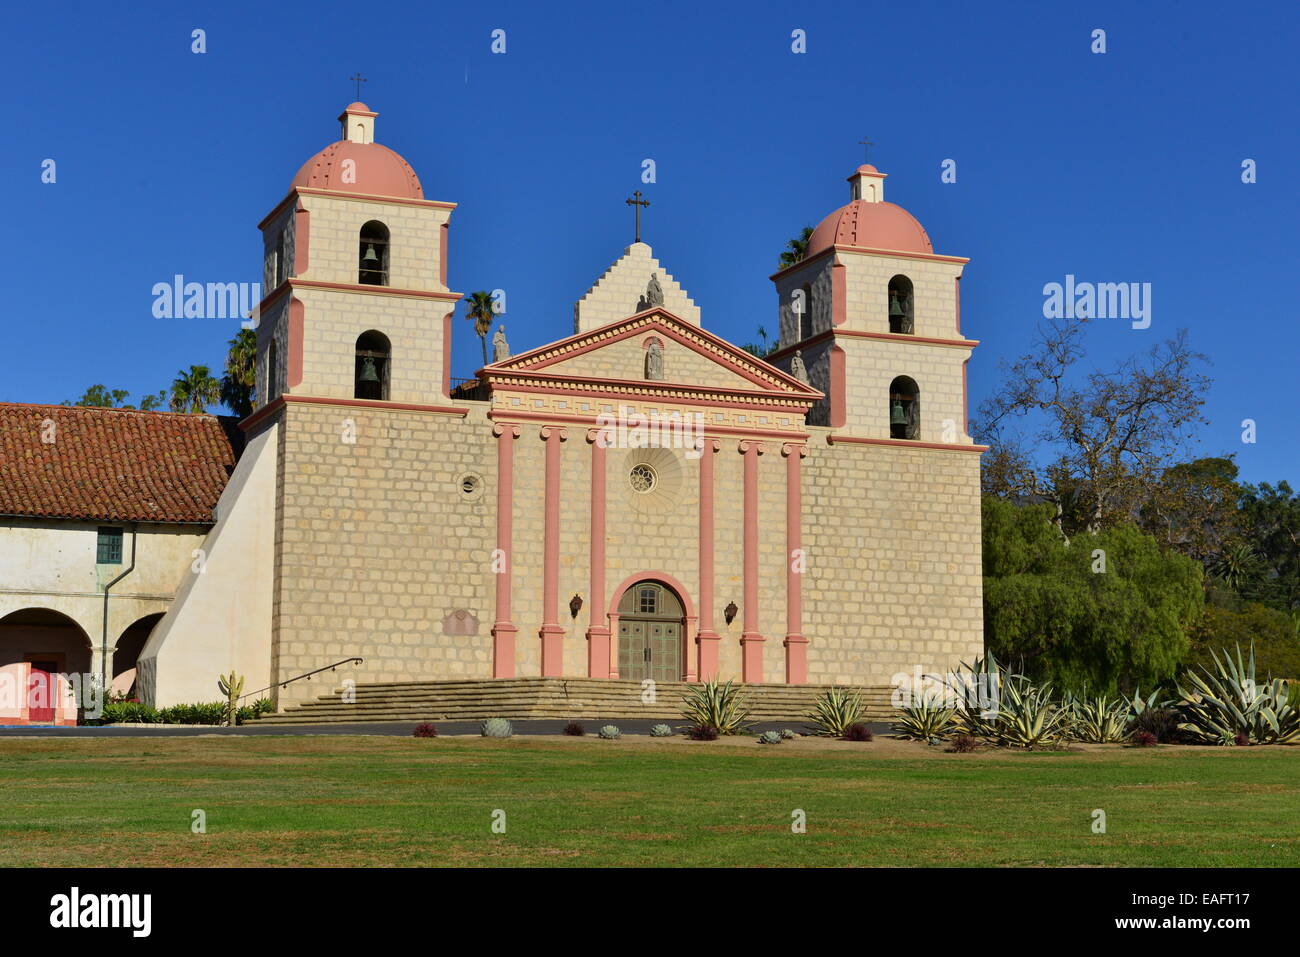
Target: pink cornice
892	253
880	336
369	290
375	404
506	415
636	389
297	191
834	439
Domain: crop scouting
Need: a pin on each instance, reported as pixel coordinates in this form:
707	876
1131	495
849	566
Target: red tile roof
113	464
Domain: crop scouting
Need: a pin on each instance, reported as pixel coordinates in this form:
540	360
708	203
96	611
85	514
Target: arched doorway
37	646
129	645
651	626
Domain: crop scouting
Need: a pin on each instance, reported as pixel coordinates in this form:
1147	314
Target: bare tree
1099	444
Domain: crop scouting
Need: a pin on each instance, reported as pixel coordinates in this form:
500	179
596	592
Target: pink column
503	629
597	629
751	642
796	645
551	633
707	639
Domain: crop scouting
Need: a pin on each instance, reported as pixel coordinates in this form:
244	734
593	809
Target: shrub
212	712
1160	723
1027	716
497	728
661	731
965	743
925	716
128	712
574	730
609	732
787	734
721	707
702	732
263	706
425	730
1219	706
858	732
977	692
1144	739
770	737
1241	740
835	711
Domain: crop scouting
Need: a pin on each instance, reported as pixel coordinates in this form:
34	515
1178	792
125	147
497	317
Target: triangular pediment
616	354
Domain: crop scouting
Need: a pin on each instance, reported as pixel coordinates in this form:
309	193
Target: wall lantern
575	605
730	612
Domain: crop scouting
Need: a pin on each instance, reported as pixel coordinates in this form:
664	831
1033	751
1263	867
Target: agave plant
770	737
978	695
1100	720
1027	715
610	731
718	706
925	716
1219	706
835	711
661	731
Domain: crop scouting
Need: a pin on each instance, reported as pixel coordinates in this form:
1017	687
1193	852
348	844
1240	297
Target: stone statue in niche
500	348
797	368
654	362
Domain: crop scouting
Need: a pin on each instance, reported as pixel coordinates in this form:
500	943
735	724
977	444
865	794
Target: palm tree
195	390
796	248
481	312
241	373
1237	565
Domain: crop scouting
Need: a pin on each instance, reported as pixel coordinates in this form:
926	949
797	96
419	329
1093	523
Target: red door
40	691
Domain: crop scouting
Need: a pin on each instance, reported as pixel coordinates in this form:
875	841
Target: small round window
641	478
470	485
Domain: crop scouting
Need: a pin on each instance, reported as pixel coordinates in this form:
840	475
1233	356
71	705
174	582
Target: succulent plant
702	732
770	737
788	734
858	731
231	686
497	728
720	706
835	710
609	732
425	730
661	731
574	730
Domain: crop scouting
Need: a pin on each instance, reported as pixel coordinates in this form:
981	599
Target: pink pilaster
751	641
707	640
551	633
796	645
598	629
503	629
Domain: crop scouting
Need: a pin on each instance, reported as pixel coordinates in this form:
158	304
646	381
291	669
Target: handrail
306	674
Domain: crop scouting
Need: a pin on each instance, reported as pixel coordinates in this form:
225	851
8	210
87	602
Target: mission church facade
813	518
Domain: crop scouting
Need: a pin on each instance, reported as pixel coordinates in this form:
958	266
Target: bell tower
875	313
356	304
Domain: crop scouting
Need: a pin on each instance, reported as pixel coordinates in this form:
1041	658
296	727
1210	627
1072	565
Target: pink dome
378	170
871	226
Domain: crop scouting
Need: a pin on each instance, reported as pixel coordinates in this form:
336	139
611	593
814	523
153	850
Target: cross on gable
637	202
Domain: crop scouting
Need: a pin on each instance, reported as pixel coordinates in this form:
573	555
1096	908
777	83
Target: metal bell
368	371
371	256
895	309
896	414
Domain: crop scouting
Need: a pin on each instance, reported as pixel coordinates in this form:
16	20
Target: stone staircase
555	698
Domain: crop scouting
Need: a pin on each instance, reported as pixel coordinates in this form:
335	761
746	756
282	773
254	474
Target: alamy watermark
1101	300
655	430
179	299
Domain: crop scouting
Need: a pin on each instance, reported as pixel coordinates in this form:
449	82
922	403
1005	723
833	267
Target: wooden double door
650	627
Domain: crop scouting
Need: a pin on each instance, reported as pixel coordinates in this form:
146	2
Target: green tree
1270	516
101	397
795	249
241	373
1271	632
1104	612
154	401
195	390
481	313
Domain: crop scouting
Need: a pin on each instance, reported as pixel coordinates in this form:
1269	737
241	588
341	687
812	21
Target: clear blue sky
1117	167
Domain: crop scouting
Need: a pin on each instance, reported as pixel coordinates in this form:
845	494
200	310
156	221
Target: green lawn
362	801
